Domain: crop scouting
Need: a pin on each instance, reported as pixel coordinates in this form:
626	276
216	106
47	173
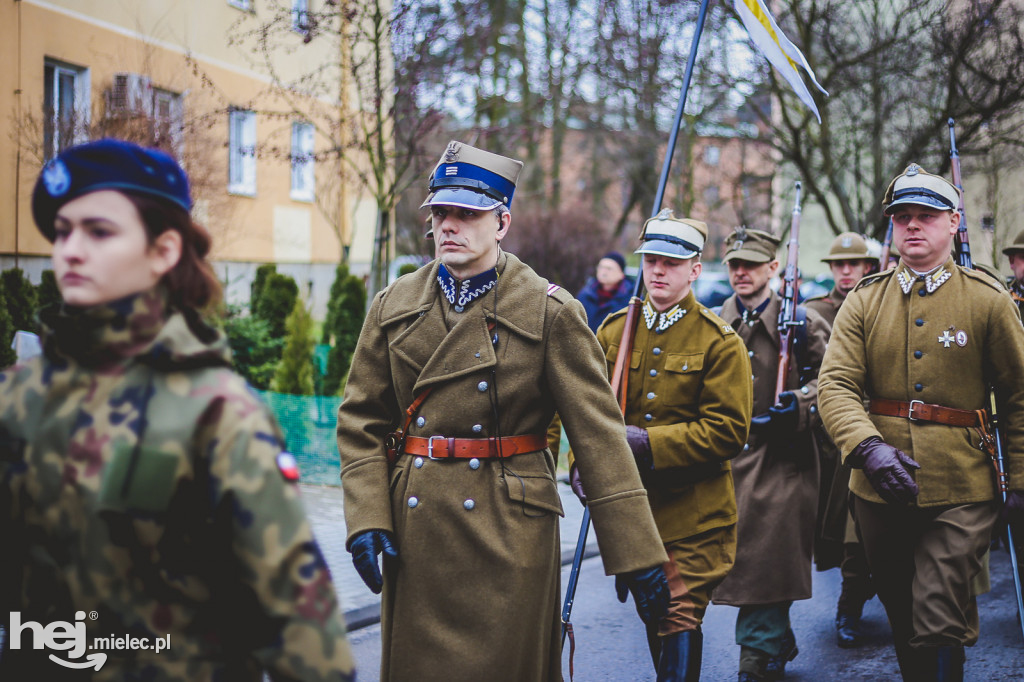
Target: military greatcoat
776	480
141	484
941	347
474	593
690	388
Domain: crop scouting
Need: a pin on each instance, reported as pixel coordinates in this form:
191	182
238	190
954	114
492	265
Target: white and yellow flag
777	49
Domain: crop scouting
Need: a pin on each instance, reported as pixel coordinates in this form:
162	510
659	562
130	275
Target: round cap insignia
912	169
56	178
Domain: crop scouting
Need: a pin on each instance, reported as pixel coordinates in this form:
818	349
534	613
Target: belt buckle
910	414
430	447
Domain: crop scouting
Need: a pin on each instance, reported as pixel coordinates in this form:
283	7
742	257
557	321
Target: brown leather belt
916	410
439	447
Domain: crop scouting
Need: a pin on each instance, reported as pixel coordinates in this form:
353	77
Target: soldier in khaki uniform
1015	253
688	408
850	260
922	343
776	475
466	507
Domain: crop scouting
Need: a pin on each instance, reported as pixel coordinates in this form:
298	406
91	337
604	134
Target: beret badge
56	178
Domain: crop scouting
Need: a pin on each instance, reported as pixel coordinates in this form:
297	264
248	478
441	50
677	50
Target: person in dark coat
608	291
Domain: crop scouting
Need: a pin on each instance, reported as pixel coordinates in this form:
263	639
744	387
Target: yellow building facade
186	75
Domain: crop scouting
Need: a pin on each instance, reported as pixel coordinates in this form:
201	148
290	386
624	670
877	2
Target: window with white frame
303	177
242	152
65	106
300	16
711	155
241	4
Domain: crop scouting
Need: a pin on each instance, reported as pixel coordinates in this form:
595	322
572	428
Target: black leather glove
780	418
650	592
887	469
640	444
576	484
1013	509
365	547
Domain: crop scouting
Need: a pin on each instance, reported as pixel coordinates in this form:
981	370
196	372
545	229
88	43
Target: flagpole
574	572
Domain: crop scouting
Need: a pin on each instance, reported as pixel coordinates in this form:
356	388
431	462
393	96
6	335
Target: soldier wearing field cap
458	371
776	474
850	260
687	413
908	342
1015	253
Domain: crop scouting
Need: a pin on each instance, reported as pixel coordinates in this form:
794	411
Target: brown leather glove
640	444
887	469
576	484
1013	509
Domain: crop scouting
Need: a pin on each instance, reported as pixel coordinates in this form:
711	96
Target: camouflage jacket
143	495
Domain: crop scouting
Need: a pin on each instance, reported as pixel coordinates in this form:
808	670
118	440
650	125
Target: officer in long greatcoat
777	473
469	357
849	260
688	408
1015	283
922	343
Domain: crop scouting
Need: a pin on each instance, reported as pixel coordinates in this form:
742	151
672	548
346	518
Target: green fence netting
309	425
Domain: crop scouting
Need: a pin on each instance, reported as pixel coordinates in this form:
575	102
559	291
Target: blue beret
106	164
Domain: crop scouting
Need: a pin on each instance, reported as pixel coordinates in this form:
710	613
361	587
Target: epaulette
721	325
558	293
984	276
871	279
819	297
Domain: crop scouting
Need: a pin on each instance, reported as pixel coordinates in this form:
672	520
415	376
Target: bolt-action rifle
788	321
992	439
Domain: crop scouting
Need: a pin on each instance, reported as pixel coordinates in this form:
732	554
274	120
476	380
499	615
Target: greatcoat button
750	353
814	410
919	322
474	464
650	396
413	501
918	387
648	417
421	421
482	386
746	446
656	351
418	462
459	308
469	504
654	372
922	292
805	390
477	428
918	354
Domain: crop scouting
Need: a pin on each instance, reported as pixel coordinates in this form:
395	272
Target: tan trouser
923	561
696	566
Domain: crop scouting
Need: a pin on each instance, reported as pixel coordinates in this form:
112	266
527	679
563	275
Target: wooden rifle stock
787	313
620	372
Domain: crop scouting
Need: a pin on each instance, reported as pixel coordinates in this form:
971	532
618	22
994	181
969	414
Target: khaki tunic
907	346
690	388
776	490
475	591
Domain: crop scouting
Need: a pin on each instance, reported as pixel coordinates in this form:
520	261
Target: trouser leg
761	633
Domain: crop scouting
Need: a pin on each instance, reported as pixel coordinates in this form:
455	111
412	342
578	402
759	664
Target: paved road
610	644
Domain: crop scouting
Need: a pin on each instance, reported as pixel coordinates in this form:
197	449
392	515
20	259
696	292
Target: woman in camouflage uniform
144	493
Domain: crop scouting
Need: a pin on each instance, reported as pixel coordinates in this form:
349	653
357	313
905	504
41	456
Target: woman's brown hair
191	283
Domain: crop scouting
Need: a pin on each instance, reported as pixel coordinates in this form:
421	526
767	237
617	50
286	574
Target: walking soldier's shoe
776	668
848	633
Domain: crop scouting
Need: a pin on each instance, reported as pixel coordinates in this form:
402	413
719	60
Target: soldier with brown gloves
688	408
459	369
850	260
923	494
777	473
